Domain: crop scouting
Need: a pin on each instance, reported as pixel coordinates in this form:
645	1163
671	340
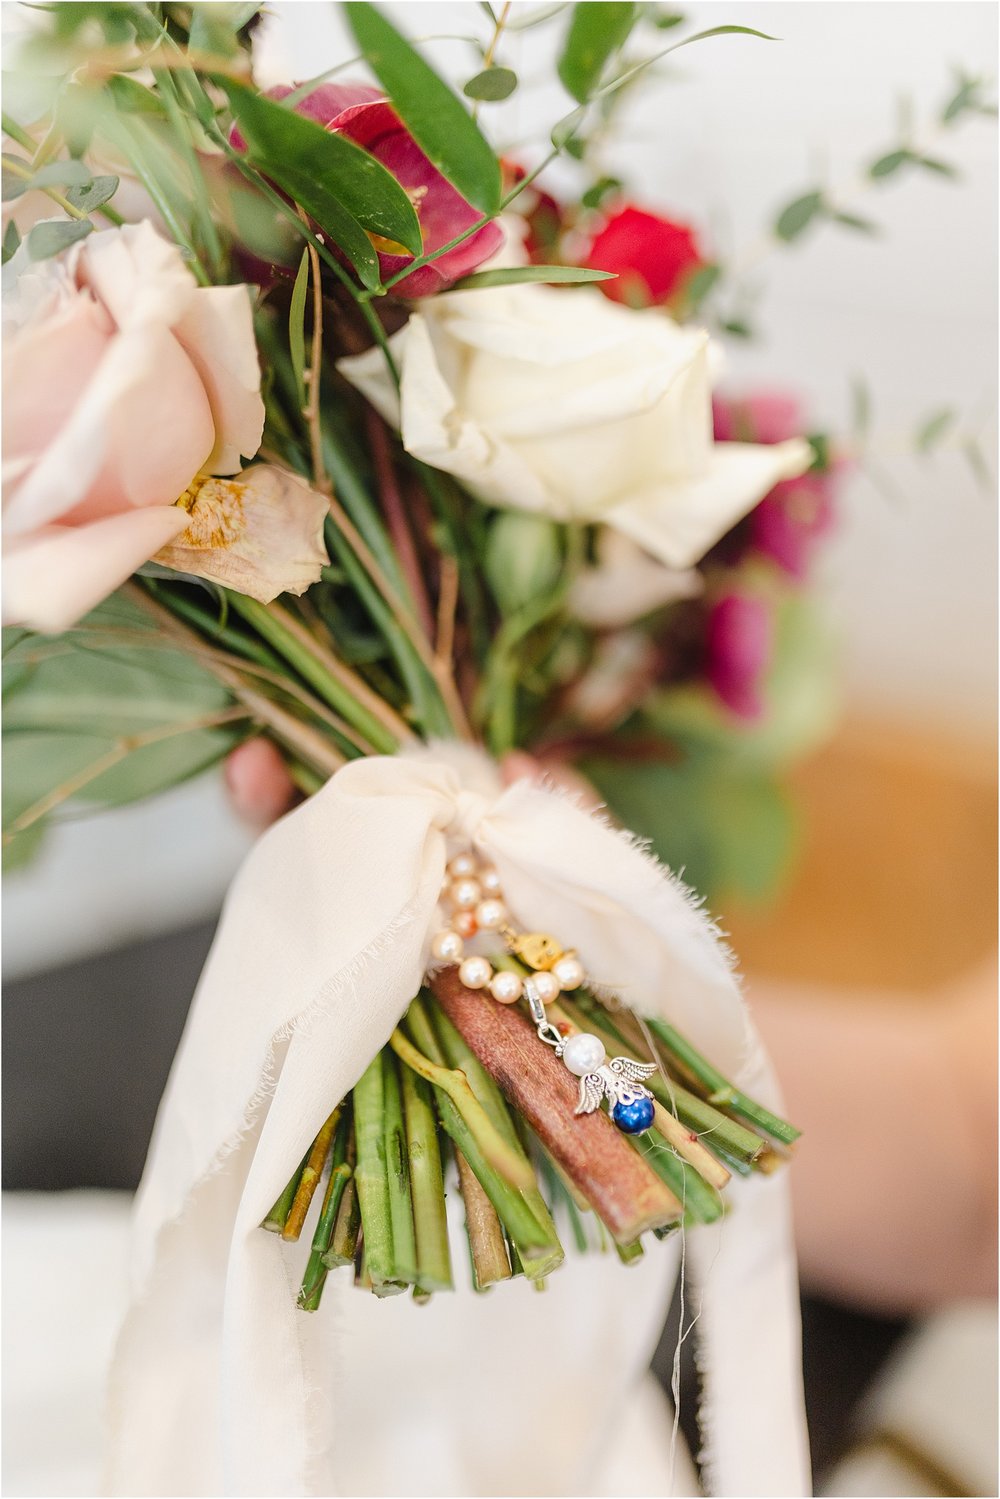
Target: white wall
734	130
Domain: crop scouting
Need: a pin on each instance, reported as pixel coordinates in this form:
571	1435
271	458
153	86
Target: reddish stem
398	523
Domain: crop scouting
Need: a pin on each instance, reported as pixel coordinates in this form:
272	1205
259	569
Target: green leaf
13	183
441	126
855	221
727	832
296	327
737	327
665	20
66	173
70	700
291	147
560	275
564	130
22	849
52	236
965	98
976	460
595	195
491	85
930	432
596	32
798	215
699	36
215	28
94	194
541	13
701	283
11	241
891	162
935	164
132	97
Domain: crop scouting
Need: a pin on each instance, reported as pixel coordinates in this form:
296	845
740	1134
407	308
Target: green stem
312	669
702	1204
397	1160
341	1172
537	1248
278	1216
372	1177
343	1248
721	1093
630	1254
17	133
430	1221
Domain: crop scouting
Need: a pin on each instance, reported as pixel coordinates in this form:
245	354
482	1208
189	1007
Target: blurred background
892	899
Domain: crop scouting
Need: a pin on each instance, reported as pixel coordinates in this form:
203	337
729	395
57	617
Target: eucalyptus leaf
565	129
601	189
14	184
891	162
439	123
798	215
52	236
11	241
94	194
931	431
701	283
597	31
935	164
491	85
855	221
66	173
295	151
513	275
976	460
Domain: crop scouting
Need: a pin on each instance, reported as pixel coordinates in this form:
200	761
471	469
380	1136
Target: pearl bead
462	867
465	894
546	986
476	973
448	947
584	1053
490	914
569	972
465	924
506	987
490	880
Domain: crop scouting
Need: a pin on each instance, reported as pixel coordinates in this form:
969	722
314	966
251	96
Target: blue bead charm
633	1118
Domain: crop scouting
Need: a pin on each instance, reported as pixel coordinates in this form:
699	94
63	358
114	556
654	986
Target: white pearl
490	914
465	894
569	972
476	973
506	987
584	1053
462	866
489	879
546	986
448	947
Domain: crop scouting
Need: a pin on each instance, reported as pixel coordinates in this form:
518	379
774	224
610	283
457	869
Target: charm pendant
472	890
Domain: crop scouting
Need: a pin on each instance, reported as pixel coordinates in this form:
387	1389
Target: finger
259	785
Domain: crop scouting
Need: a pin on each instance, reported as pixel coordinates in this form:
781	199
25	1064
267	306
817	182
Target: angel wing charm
620	1081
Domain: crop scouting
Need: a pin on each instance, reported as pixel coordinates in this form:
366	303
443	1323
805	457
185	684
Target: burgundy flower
652	257
364	115
788	522
739	641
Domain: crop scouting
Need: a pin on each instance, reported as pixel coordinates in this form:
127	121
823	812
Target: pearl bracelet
473	894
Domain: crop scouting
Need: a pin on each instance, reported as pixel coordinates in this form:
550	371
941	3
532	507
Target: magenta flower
364	115
739	642
797	513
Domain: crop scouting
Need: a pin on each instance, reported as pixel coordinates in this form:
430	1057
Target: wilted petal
56	575
678	522
261	534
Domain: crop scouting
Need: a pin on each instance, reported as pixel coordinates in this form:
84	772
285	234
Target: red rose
365	117
651	257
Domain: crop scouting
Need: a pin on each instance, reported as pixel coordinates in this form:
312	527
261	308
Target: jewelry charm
473	893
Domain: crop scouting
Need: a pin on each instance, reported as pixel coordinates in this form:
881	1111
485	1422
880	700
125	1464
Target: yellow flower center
215	507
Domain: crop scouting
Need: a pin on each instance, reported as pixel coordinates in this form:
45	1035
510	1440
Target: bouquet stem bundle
465	1081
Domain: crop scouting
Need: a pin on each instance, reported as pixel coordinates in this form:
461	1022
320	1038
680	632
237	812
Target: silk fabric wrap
221	1386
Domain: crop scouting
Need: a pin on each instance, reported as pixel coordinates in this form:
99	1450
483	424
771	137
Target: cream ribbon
221	1386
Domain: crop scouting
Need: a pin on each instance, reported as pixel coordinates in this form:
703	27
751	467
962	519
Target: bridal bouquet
327	424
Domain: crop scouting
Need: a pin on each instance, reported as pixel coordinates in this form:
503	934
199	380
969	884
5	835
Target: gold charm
537	949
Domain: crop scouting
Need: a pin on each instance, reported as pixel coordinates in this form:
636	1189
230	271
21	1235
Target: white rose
566	404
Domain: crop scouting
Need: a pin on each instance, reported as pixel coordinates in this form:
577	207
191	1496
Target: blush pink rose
366	117
122	381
